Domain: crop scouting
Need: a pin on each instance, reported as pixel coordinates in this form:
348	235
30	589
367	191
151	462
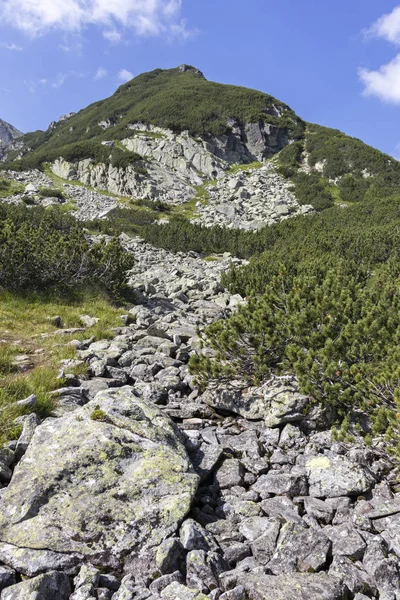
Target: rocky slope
143	487
8	133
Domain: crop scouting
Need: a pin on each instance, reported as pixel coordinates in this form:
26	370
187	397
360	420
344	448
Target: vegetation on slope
27	328
47	249
342	168
167	98
48	267
323	304
75	152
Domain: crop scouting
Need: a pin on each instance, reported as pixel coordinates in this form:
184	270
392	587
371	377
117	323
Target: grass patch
26	328
10	188
250	166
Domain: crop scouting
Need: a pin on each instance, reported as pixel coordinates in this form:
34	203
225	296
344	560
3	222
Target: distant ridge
8	133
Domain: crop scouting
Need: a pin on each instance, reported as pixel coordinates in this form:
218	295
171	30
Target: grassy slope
27	329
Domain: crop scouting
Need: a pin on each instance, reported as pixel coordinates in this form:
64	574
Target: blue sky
336	63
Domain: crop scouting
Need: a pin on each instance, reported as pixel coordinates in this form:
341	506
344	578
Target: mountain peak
8	133
185	68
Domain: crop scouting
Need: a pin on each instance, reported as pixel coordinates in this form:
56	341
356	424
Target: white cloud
13	47
62	77
100	73
387	27
125	75
384	83
145	17
112	35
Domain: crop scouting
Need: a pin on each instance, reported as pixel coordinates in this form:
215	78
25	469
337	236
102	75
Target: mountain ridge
8	133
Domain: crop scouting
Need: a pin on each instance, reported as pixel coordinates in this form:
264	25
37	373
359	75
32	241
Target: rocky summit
8	133
137	477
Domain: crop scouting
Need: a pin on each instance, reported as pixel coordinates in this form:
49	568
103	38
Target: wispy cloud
112	35
100	73
144	17
62	77
125	75
387	27
33	84
384	82
13	47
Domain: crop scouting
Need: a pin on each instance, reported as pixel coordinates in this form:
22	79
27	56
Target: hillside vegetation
323	304
340	168
167	98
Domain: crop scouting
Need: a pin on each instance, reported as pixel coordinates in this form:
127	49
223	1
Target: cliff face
8	133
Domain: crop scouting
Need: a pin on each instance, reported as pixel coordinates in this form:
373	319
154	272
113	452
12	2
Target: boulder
106	481
296	586
330	476
277	403
49	586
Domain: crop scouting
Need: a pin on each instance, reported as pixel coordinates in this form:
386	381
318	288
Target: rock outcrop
8	133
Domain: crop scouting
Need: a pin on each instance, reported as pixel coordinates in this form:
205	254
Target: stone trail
143	488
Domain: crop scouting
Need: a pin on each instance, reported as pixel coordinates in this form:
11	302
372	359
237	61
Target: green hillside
168	98
341	168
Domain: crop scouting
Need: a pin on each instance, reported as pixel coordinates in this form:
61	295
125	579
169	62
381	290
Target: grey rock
194	537
299	549
49	586
177	591
29	402
323	511
170	556
30	423
229	474
7	577
5	472
109	581
294	586
236	552
355	578
346	541
132	456
254	527
281	483
162	582
282	507
238	593
200	574
330	476
32	562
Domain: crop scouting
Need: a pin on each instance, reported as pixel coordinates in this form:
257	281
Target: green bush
4	185
51	193
312	189
337	332
42	249
76	152
353	189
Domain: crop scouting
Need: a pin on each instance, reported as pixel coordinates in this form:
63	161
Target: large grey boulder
331	476
277	403
109	480
49	586
296	586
